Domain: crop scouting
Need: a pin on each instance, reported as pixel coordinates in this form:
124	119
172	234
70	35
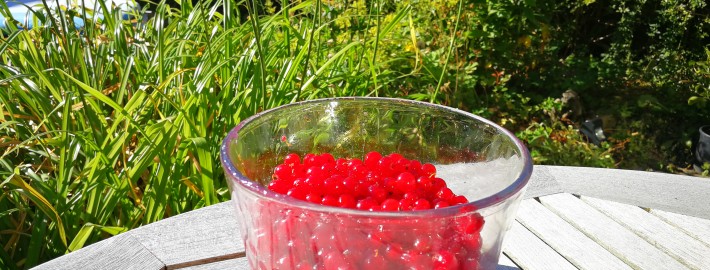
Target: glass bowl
477	158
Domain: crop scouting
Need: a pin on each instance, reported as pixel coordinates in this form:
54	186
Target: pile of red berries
376	183
293	238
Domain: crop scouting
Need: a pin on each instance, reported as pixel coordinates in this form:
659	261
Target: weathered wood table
573	218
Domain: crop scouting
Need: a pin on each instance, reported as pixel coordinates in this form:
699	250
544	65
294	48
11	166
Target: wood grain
233	264
697	228
669	192
617	239
529	252
197	237
577	248
542	183
662	235
119	252
504	263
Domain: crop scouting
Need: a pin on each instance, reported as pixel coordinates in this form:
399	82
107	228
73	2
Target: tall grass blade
81	237
42	203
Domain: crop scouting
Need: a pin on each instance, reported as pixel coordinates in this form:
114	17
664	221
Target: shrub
118	124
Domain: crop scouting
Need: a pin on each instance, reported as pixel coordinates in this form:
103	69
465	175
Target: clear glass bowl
477	158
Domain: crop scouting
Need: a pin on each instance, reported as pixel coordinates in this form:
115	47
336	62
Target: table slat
664	236
232	264
119	252
623	243
196	237
697	228
529	252
669	192
569	242
504	263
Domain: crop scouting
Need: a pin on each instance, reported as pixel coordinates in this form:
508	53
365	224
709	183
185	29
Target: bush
118	124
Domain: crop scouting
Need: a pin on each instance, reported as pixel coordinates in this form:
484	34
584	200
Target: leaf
81	237
321	137
205	166
97	94
418	96
112	230
697	101
6	261
41	202
37	239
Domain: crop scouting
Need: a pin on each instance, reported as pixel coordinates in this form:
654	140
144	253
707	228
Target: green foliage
118	124
565	145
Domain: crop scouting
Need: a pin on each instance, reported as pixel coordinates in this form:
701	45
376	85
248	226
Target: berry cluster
376	183
293	238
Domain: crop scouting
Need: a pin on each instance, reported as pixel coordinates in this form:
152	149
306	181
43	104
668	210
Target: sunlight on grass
117	125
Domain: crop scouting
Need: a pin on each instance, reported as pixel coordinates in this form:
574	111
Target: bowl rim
260	191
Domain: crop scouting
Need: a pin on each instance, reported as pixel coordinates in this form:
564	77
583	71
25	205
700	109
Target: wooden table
572	218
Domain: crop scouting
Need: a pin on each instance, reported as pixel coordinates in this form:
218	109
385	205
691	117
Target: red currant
374	183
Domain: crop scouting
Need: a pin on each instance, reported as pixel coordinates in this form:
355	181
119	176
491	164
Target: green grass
118	125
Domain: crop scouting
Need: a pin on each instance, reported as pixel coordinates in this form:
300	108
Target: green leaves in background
118	124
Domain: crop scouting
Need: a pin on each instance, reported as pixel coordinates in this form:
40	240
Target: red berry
357	170
347	201
374	261
401	165
304	266
458	200
350	184
309	159
292	159
406	182
330	200
297	193
390	184
438	183
390	205
315	171
361	190
328	168
377	193
280	186
394	252
444	193
428	170
411	196
367	204
354	161
335	260
283	172
422	243
314	197
415	167
333	185
385	165
326	158
424	184
405	204
313	182
445	260
441	204
341	165
421	204
372	159
395	156
373	176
